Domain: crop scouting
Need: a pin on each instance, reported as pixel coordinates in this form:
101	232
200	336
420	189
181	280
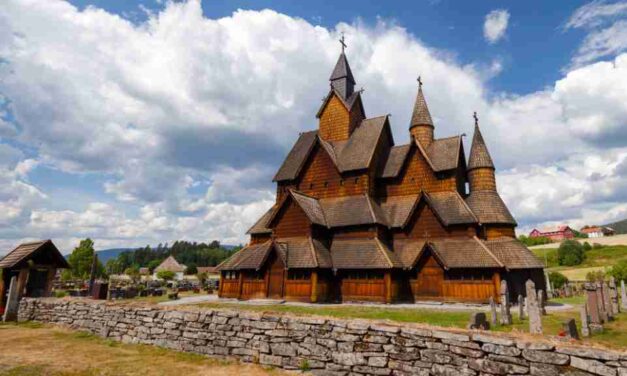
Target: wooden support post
387	277
241	284
496	279
220	286
2	287
314	286
22	279
50	281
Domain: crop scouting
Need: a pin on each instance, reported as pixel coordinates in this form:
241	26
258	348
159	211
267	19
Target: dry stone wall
326	346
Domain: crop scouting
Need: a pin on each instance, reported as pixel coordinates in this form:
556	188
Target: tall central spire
342	79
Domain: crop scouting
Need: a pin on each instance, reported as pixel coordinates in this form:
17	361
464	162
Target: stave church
359	218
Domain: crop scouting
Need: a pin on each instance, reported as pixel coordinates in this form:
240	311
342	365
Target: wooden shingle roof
394	161
26	251
250	257
464	253
304	252
363	254
261	226
398	209
351	211
450	207
479	155
296	158
488	207
171	264
408	251
513	254
420	114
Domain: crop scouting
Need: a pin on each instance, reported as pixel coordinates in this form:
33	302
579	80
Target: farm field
596	259
607	240
34	349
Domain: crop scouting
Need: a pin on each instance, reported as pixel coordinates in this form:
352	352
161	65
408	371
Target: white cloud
495	25
189	117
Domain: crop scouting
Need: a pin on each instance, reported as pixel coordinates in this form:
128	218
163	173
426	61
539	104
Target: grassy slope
595	259
35	349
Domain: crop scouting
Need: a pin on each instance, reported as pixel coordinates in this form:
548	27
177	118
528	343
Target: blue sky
137	122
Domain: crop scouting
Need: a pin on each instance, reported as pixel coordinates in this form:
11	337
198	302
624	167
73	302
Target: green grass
596	259
573	300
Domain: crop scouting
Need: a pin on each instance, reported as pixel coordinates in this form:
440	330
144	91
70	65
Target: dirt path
44	350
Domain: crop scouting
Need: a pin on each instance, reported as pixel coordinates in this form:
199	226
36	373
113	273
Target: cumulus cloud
495	25
187	118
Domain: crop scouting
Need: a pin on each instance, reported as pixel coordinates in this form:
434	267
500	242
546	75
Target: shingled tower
358	218
421	126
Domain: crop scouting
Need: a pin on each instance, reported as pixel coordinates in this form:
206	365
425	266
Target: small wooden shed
35	265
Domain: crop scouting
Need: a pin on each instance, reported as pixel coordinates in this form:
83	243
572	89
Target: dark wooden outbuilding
358	218
34	265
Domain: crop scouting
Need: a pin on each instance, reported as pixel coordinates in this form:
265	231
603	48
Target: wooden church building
359	218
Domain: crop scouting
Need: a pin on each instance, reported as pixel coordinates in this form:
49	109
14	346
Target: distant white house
172	265
597	231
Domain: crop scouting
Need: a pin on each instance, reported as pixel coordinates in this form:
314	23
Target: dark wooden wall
291	221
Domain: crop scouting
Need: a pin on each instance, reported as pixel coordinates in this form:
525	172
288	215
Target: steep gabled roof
261	226
408	251
398	209
347	102
296	158
464	253
310	206
342	69
479	155
421	114
359	151
513	254
450	208
170	264
488	207
351	211
363	254
26	251
394	162
250	257
304	252
444	153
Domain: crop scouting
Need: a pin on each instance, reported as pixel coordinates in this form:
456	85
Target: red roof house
556	235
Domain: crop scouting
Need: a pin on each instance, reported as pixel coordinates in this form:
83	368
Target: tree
191	269
586	246
133	272
166	275
595	276
81	259
619	271
558	280
570	253
152	265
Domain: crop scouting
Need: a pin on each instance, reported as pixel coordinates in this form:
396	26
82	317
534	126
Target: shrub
60	294
570	253
558	280
166	275
619	271
595	276
586	246
529	242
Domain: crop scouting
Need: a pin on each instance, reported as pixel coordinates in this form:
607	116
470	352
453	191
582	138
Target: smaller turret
480	165
421	126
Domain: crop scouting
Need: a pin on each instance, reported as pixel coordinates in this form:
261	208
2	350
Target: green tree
191	269
133	272
558	280
586	246
166	275
81	259
152	265
619	271
570	252
595	276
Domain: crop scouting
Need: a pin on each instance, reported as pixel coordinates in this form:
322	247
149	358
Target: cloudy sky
139	122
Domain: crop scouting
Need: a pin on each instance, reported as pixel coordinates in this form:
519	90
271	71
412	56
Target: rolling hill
620	227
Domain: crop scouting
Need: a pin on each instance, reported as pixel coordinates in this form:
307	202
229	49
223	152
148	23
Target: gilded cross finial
476	118
419	82
342	42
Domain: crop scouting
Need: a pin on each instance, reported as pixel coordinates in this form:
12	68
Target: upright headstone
521	308
549	289
601	302
570	328
542	302
567	290
535	318
493	319
479	320
585	329
592	301
614	297
623	295
607	303
10	310
506	315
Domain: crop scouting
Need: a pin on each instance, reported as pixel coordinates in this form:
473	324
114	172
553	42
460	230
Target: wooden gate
275	280
430	277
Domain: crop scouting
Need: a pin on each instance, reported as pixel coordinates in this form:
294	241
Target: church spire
479	155
342	79
480	165
421	126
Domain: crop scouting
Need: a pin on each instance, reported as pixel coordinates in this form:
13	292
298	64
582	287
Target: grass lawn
596	259
35	349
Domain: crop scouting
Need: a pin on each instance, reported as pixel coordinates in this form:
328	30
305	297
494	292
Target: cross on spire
342	42
419	81
474	115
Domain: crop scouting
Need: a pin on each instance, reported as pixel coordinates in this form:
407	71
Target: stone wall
326	346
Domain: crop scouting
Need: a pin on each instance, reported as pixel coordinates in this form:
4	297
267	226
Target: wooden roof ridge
294	192
468	207
429	201
299	153
383	251
437	254
28	249
424	154
313	252
348	103
489	251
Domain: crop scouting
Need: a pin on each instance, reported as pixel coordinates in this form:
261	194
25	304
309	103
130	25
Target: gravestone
601	302
607	303
567	291
493	319
570	328
623	295
549	288
542	302
10	311
479	320
592	301
521	308
585	329
535	318
506	315
614	297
